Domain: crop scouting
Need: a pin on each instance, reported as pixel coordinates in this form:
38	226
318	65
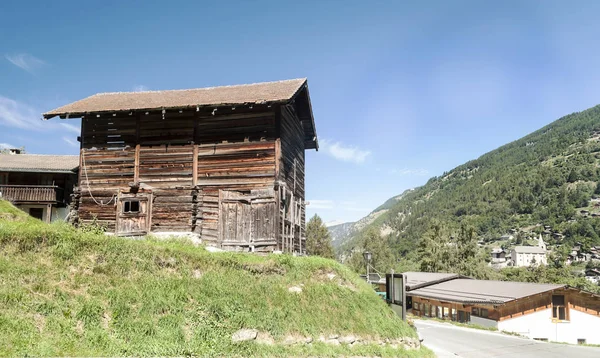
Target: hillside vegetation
77	292
546	178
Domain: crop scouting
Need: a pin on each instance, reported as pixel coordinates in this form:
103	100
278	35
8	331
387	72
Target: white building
547	312
530	255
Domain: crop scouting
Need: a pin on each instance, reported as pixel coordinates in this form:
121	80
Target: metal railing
31	193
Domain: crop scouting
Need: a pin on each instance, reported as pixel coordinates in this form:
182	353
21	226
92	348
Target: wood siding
291	174
193	163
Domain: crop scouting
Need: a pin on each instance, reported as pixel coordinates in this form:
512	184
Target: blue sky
400	92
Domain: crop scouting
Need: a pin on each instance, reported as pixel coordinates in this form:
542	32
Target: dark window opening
559	312
558	300
479	312
37	213
131	206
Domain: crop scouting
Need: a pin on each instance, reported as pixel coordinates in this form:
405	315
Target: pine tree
318	240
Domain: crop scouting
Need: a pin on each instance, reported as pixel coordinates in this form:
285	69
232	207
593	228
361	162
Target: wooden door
247	219
235	217
133	214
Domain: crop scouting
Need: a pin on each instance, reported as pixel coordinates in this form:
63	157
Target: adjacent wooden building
40	185
223	163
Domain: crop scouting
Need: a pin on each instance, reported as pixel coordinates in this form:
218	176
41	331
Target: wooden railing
31	193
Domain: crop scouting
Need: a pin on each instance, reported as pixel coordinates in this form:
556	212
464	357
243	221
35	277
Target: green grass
67	291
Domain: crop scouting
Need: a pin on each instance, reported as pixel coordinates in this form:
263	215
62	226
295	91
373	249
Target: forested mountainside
545	181
341	234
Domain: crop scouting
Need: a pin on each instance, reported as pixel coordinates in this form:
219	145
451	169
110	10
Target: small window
416	306
558	300
559	310
131	206
475	311
580	340
483	313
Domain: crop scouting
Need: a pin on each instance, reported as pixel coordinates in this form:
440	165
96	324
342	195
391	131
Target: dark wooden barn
223	163
40	185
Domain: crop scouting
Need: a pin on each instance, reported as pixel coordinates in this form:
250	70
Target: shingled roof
266	92
39	163
482	291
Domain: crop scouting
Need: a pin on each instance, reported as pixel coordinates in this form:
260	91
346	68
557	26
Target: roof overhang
45	171
295	93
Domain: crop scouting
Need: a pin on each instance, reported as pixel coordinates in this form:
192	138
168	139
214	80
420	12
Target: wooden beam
277	158
136	170
195	166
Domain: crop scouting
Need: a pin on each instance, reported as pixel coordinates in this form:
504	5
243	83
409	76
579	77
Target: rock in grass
347	339
295	289
244	335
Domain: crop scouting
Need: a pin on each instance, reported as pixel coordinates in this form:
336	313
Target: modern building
40	185
549	312
223	164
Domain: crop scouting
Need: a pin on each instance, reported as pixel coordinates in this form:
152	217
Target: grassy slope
68	292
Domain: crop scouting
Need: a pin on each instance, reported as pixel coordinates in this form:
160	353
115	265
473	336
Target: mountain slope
77	292
545	178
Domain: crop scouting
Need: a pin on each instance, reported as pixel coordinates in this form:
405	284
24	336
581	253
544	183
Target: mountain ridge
546	177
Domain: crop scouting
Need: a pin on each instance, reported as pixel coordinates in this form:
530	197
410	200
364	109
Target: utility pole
367	256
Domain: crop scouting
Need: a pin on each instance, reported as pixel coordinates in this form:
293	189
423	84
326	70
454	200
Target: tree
382	256
318	240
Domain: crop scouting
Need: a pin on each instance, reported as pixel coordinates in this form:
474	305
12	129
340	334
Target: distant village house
523	256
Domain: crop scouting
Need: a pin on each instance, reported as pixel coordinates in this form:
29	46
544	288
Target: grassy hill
77	292
547	178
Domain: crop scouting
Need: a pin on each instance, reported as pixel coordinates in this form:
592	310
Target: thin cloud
70	127
6	146
407	171
321	204
25	61
343	152
70	142
140	88
18	115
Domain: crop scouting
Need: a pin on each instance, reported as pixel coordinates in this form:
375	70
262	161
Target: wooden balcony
31	193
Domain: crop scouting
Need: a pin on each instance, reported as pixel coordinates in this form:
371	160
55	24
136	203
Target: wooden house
223	163
40	185
549	312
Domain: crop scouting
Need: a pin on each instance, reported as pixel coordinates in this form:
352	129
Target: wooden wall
493	312
291	173
190	161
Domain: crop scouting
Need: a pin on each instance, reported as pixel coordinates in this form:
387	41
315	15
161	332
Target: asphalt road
447	340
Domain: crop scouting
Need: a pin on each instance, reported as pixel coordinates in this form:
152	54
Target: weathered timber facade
40	185
230	172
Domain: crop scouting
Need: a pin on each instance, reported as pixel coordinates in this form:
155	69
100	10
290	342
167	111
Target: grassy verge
66	291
